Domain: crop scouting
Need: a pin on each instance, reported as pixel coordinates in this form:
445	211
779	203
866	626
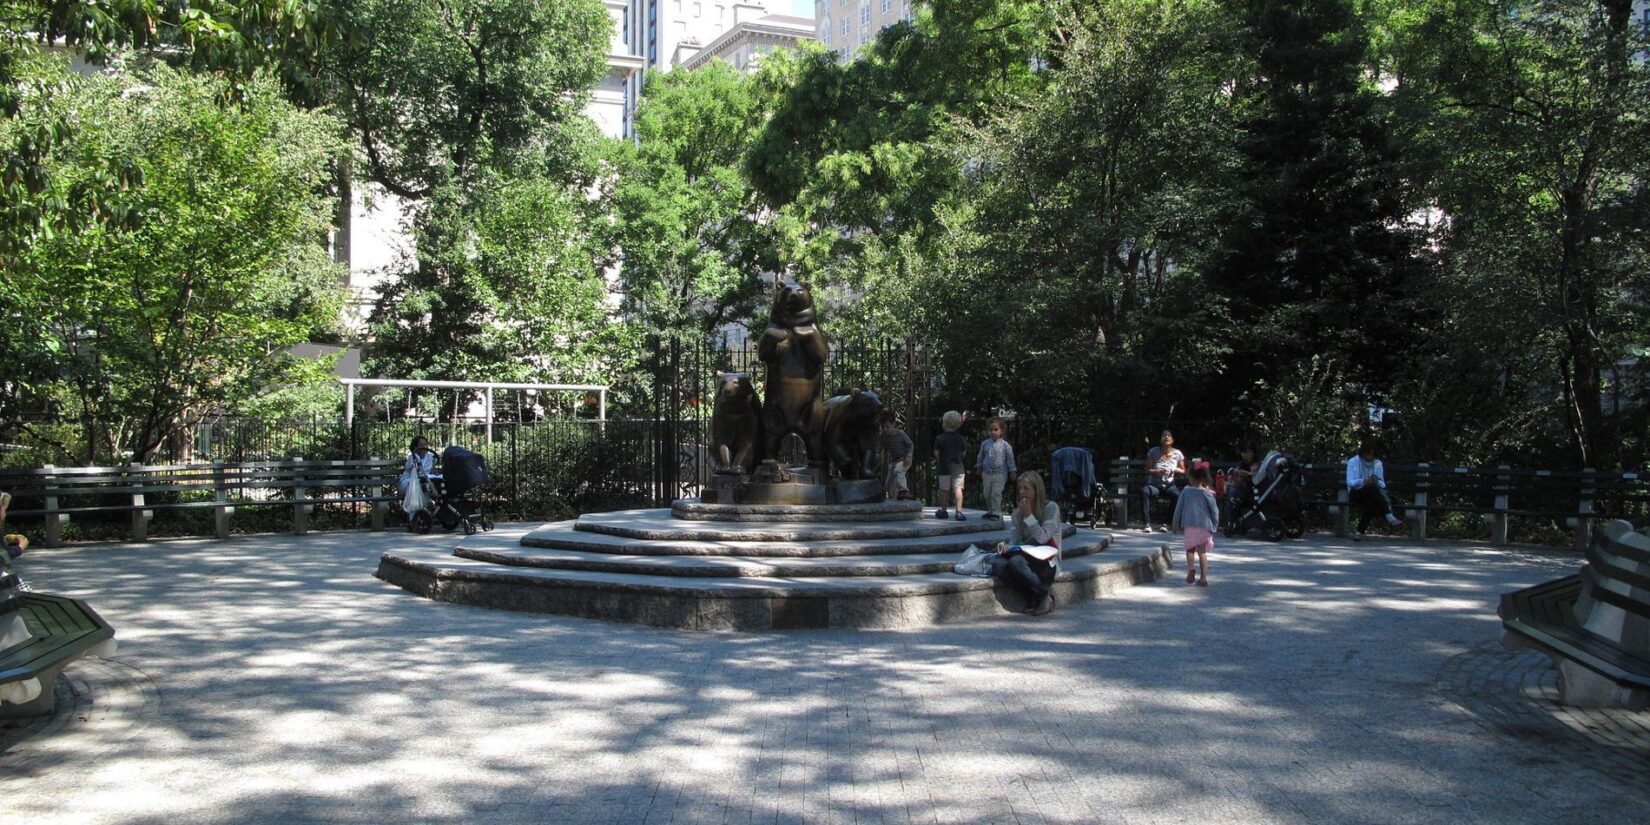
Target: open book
1041	552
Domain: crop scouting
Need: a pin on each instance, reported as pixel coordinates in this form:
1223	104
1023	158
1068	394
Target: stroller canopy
1270	466
1072	472
463	470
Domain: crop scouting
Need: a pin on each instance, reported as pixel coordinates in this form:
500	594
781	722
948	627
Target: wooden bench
55	494
1124	480
39	635
1595	625
1578	499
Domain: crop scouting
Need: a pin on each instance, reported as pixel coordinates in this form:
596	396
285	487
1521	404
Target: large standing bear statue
794	349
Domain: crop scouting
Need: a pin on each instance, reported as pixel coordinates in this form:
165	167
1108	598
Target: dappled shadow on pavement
291	686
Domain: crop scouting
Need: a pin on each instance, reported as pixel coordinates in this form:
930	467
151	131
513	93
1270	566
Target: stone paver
273	680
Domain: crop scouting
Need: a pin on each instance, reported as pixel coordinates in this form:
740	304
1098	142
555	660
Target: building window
865	13
887	6
845	29
827	35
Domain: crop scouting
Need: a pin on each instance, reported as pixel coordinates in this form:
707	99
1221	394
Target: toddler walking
1197	515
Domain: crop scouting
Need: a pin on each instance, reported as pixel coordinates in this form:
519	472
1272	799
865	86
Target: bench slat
64	628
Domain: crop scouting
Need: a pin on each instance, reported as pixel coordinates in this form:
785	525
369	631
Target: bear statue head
793	306
734	385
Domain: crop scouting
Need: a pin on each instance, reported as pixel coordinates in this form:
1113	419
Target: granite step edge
714	566
591	542
457	569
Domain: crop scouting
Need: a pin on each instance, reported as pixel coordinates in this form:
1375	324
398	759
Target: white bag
975	561
415	499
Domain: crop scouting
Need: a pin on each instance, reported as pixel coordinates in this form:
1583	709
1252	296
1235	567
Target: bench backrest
1615	590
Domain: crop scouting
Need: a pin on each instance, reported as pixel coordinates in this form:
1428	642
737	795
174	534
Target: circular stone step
670	587
570	539
737	567
564	535
751	603
658	525
696	510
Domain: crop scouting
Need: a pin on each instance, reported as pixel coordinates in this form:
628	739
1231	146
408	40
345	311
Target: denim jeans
1152	490
1031	576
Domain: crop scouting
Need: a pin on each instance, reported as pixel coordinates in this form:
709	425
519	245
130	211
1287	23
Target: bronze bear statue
851	432
794	349
735	424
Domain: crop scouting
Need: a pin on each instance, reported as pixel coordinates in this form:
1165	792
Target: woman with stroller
1028	559
1165	466
420	464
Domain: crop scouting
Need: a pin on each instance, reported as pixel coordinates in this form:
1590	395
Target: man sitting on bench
1366	489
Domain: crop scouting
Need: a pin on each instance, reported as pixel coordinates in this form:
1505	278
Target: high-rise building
666	33
845	26
744	45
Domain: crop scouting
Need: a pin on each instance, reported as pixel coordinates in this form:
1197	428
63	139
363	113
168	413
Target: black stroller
1270	501
454	495
1071	474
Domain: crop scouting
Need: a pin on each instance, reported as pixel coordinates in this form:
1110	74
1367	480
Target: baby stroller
1271	501
1071	474
453	494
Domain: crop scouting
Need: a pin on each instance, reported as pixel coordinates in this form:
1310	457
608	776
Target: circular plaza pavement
272	679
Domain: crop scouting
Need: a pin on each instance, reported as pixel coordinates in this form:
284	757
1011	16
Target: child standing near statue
897	450
996	464
949	447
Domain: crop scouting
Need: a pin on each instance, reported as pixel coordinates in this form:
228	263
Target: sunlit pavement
273	679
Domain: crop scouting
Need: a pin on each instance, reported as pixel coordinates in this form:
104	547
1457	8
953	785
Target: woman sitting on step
1031	556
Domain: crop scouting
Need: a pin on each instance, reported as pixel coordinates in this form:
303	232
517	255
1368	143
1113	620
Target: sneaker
1358	535
1044	607
993	516
1393	520
961	517
940	513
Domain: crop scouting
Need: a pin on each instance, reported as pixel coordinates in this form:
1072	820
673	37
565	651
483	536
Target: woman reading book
1030	557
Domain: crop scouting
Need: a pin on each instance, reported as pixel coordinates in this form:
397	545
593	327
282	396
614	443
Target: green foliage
1540	124
1314	252
688	221
187	302
504	287
438	91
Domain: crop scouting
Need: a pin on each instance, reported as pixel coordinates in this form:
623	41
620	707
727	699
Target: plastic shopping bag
975	561
415	499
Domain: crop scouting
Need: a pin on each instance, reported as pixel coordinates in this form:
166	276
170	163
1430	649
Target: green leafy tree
188	302
1074	268
1539	123
436	90
694	235
472	110
862	150
1316	254
504	287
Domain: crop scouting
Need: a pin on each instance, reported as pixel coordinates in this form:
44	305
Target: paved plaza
273	680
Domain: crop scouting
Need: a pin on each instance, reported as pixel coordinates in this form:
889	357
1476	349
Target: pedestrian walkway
274	680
